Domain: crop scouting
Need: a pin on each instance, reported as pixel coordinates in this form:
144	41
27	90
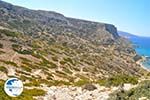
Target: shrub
62	62
69	60
54	58
3	69
60	82
2	52
81	82
9	33
48	63
9	63
25	59
29	65
142	90
33	82
1	45
117	80
24	78
18	49
28	52
35	92
26	68
35	45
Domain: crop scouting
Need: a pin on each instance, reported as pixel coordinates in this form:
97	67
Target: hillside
127	35
47	48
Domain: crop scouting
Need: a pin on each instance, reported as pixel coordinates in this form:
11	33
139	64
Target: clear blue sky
132	16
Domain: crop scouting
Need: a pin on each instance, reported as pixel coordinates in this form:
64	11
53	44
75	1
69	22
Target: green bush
3	69
1	45
26	68
9	63
142	90
81	82
2	52
55	58
29	65
47	63
35	92
33	82
62	62
60	82
69	60
9	33
34	45
117	80
28	52
18	49
24	78
25	59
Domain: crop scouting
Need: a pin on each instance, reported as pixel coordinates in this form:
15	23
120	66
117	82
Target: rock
89	87
137	57
127	87
76	93
3	76
143	98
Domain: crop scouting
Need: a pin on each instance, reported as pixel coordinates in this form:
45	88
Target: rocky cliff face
31	21
43	47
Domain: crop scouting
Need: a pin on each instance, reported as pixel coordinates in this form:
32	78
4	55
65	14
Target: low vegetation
117	80
3	69
9	63
1	45
142	90
60	82
2	52
9	33
82	82
19	49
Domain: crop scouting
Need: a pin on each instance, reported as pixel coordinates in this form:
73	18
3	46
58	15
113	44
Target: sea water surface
143	48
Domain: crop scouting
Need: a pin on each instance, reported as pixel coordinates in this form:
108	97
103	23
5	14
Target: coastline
140	62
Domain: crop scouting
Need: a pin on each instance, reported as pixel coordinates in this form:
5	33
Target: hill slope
43	47
52	46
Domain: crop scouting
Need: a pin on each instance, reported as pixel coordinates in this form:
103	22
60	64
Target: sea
142	47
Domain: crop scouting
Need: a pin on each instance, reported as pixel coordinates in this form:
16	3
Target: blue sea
142	48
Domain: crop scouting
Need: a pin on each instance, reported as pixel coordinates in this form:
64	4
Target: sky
131	16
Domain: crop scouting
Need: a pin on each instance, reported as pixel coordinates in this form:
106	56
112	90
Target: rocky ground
76	93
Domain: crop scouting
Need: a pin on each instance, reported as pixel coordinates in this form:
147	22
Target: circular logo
13	87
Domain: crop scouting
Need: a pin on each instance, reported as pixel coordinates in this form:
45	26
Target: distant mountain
141	43
127	35
135	39
130	35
